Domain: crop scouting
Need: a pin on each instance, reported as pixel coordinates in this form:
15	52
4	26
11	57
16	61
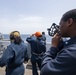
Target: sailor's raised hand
55	40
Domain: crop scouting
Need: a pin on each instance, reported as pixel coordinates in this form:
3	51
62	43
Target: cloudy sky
29	16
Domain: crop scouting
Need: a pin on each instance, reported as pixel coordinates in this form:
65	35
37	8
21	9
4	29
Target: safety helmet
14	34
38	34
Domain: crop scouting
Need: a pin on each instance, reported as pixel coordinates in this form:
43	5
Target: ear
69	22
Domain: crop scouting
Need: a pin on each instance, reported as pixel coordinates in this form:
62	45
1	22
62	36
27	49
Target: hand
32	35
25	62
55	40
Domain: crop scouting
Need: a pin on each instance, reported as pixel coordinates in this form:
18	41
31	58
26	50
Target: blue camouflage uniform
37	48
61	62
13	58
44	38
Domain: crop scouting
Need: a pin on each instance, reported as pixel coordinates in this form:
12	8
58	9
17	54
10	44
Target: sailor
14	55
44	37
37	50
62	61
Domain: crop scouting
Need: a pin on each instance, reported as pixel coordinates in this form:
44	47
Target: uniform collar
71	41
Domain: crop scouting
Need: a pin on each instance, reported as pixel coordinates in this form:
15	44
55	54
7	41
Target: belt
37	54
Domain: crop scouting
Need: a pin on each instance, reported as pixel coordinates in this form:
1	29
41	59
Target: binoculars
53	30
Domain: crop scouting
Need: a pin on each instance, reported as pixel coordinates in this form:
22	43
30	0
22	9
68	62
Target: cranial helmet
14	34
38	34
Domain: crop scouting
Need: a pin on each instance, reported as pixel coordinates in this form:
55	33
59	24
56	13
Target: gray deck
28	71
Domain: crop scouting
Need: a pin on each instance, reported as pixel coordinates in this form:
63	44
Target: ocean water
24	36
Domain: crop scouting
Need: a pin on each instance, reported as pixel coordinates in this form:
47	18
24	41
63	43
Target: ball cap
38	34
15	34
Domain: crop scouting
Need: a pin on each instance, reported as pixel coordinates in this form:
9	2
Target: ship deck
28	70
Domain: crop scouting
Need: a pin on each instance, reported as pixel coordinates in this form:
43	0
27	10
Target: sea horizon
24	36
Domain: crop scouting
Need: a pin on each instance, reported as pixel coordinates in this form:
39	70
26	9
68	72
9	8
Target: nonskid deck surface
28	70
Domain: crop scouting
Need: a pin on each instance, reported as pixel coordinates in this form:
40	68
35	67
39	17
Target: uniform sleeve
26	58
7	56
29	39
55	63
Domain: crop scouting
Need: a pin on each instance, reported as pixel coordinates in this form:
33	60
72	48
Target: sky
29	16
